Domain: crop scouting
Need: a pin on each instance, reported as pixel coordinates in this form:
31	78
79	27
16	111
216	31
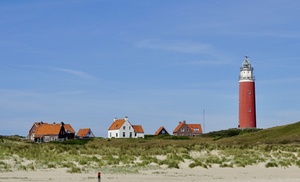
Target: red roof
159	129
117	124
138	128
83	132
178	127
69	128
48	129
195	126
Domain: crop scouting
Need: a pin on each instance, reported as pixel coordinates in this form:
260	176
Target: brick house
184	129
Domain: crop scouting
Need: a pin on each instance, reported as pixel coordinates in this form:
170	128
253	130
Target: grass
275	147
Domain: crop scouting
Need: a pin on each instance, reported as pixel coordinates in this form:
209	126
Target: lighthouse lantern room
247	110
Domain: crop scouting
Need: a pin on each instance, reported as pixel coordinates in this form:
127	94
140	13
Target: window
129	127
116	135
110	134
123	134
182	129
124	127
130	134
46	139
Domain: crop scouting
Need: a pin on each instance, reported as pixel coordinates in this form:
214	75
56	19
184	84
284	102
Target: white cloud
78	73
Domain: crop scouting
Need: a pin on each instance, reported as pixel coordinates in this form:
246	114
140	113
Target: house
138	131
50	132
32	134
85	133
161	131
69	131
122	128
184	129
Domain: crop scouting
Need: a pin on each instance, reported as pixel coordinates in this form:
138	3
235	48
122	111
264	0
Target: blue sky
157	62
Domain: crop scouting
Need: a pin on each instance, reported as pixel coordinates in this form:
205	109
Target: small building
138	131
122	128
184	129
50	132
85	133
161	131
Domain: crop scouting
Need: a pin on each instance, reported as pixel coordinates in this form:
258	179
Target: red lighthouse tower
247	111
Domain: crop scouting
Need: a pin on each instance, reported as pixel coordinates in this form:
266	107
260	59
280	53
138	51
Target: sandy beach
258	173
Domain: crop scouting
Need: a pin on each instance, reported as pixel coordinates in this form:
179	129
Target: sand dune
257	173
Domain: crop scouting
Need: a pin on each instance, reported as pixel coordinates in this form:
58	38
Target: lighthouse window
249	110
249	92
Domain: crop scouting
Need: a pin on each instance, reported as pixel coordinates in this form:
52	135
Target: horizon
160	62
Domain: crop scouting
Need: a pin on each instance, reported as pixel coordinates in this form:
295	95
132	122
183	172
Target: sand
258	173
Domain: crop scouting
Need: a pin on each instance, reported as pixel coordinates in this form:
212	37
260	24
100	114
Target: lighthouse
247	111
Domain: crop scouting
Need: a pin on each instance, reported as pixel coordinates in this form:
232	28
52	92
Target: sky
86	62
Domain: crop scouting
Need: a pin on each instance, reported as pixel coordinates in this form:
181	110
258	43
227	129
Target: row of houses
45	132
120	128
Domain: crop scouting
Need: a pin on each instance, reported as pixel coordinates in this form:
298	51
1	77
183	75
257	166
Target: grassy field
273	147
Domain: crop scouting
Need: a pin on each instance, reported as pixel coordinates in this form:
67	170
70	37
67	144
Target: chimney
184	122
115	119
62	123
126	118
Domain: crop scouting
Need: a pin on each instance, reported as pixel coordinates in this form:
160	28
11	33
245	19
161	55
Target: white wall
140	135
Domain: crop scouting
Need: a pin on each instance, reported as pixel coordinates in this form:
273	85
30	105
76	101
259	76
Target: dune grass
224	149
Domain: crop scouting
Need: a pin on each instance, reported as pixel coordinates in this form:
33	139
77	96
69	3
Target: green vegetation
274	147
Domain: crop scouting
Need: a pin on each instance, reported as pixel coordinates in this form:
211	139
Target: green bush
271	164
74	170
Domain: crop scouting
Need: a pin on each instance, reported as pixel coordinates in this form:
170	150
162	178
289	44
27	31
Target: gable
161	130
35	126
178	127
69	128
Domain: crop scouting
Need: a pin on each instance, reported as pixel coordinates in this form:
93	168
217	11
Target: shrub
74	170
271	164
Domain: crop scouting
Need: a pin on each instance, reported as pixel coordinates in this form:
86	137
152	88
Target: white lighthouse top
246	71
246	63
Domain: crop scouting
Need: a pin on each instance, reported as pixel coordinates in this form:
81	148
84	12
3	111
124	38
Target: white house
122	128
